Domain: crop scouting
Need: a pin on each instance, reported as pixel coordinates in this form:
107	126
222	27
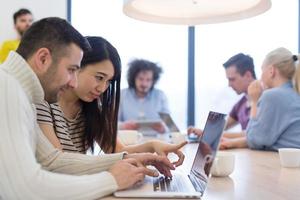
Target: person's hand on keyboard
163	148
161	163
128	172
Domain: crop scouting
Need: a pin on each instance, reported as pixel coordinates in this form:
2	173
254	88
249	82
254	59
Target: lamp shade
193	12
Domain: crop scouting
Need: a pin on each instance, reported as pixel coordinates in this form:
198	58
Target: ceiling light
193	12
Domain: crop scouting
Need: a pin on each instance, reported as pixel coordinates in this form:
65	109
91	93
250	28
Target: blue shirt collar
132	90
287	84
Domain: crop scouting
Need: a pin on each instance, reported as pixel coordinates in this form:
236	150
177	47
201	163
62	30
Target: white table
257	175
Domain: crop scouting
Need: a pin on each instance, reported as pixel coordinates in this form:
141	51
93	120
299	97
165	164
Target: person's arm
22	177
233	115
72	163
199	132
46	124
255	91
234	134
230	143
145	147
154	146
48	131
45	121
231	122
253	110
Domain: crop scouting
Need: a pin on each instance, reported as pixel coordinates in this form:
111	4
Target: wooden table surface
257	175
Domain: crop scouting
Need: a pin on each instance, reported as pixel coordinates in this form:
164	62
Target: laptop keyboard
174	184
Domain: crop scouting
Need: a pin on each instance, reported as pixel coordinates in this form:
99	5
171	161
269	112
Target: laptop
182	184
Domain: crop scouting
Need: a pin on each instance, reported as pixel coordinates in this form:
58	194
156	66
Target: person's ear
248	74
42	60
272	71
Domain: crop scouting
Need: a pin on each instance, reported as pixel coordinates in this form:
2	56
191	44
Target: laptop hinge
198	186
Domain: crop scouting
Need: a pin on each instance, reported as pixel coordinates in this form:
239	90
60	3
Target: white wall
39	9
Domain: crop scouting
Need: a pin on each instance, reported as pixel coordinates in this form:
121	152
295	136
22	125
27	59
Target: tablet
147	122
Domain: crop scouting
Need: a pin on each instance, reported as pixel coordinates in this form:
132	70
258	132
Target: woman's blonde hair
285	62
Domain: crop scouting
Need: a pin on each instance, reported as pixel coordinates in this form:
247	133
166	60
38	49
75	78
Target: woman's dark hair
138	65
101	115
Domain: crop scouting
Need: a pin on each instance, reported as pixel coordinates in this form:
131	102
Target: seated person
45	64
142	101
240	74
275	112
87	114
22	21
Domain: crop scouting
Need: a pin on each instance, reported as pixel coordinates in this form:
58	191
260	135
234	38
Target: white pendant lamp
193	12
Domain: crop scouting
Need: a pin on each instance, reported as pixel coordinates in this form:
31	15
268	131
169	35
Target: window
165	44
214	44
254	36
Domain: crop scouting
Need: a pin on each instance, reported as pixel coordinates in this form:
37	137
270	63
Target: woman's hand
161	163
255	90
163	148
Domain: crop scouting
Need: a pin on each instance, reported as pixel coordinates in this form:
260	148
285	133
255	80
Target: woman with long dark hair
88	113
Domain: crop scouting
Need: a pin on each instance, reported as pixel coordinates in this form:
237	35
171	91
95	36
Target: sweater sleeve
71	163
22	177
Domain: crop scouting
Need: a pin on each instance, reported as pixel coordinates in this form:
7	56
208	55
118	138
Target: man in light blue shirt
141	100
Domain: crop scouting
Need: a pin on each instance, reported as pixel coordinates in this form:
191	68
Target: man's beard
46	82
144	90
21	32
51	96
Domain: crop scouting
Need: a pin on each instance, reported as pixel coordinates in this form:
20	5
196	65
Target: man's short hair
22	11
52	33
138	65
242	62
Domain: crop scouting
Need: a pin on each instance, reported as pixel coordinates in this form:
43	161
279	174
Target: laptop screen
207	148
